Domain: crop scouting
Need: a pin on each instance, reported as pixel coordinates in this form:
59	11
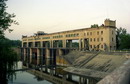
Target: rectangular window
77	34
84	34
101	32
90	46
112	39
110	47
87	33
101	46
101	39
69	35
97	46
74	35
94	46
91	39
94	39
90	33
98	39
98	33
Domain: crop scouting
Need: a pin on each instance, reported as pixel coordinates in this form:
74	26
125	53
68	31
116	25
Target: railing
119	51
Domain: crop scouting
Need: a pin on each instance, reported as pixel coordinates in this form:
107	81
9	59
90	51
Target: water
23	77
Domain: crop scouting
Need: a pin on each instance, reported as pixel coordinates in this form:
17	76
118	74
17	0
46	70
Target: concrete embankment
120	75
95	64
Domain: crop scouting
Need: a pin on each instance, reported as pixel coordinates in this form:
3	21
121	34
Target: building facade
95	38
46	49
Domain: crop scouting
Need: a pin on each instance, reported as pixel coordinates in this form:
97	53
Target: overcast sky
60	15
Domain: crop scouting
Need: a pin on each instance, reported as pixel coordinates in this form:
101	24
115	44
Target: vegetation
8	57
15	43
123	39
94	26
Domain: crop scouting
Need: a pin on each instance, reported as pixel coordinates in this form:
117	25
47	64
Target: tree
6	19
7	56
15	43
8	59
122	38
94	26
125	41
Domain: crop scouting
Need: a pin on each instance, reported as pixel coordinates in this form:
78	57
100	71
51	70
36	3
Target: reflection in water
22	77
8	60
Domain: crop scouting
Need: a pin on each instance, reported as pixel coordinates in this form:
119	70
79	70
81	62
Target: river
23	77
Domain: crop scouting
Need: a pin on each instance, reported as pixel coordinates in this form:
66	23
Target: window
98	33
74	35
101	46
84	34
90	33
94	39
98	39
57	36
71	35
90	46
112	32
112	39
91	39
94	46
101	39
110	47
87	33
97	46
101	32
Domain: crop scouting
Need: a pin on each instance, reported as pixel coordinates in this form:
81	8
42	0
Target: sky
61	15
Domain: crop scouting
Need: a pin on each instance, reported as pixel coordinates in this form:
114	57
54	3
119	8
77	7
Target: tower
110	23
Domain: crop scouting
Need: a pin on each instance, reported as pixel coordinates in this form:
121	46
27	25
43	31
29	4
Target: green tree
8	59
94	26
15	43
6	19
125	41
7	56
122	38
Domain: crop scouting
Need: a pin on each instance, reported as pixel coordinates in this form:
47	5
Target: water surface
23	77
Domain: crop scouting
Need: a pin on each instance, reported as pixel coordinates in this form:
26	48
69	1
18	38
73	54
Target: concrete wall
119	76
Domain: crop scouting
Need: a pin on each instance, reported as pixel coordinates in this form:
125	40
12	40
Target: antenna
107	11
